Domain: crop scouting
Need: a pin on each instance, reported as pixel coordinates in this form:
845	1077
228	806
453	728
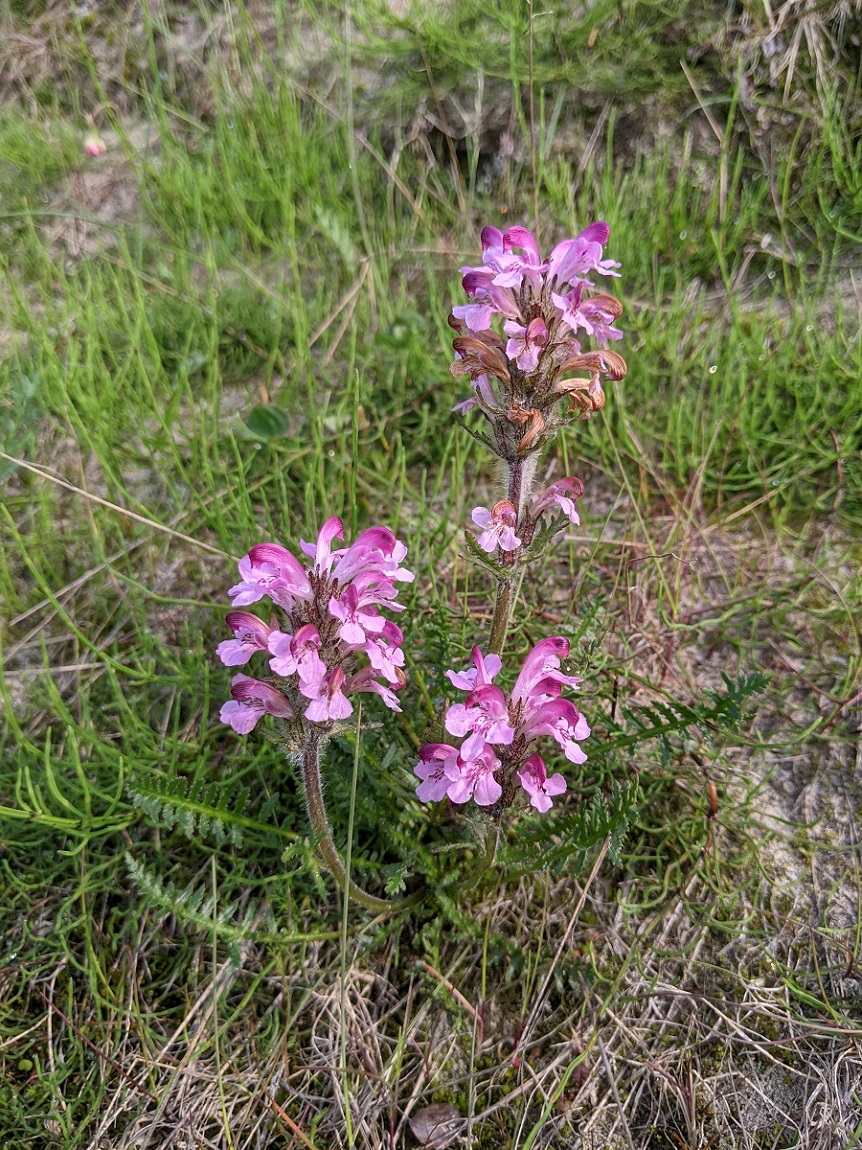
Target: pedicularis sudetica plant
332	640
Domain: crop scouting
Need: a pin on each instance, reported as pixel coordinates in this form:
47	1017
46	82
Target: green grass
265	345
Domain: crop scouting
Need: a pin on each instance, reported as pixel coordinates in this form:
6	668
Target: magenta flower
330	703
512	270
357	621
483	717
595	316
299	655
526	343
574	259
490	300
543	304
431	769
384	652
253	699
447	772
321	551
473	777
252	634
481	674
534	779
498	526
563	493
271	570
483	397
540	677
563	722
364	681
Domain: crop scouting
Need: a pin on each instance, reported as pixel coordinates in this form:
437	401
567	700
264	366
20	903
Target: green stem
518	492
320	823
502	615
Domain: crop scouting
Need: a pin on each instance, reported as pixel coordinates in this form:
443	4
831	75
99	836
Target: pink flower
513	269
253	699
446	771
94	145
563	493
321	552
540	677
481	674
490	300
299	655
270	569
384	652
357	621
535	781
472	777
575	259
595	316
526	343
375	551
431	769
483	717
563	722
498	526
364	681
330	703
252	634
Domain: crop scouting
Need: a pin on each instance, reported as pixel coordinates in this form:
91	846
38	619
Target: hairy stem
320	823
521	473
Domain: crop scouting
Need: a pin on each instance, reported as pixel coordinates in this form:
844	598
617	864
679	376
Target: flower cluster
544	304
332	643
498	732
498	524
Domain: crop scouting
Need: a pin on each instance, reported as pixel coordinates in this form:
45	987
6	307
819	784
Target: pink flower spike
534	779
473	778
253	699
563	493
498	526
481	674
431	769
270	569
251	634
